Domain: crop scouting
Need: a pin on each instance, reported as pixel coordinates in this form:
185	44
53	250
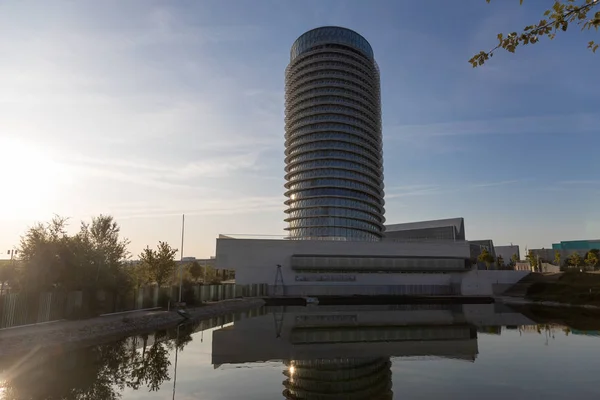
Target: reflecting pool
325	352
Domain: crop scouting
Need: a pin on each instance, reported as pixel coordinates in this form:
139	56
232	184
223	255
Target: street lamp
12	253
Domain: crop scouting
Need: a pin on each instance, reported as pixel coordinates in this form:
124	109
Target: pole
181	253
176	351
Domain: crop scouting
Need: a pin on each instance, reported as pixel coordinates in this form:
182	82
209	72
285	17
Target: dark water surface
319	352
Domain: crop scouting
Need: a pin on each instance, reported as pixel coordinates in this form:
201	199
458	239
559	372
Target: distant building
476	247
487	244
577	245
523	266
442	229
565	249
507	252
203	262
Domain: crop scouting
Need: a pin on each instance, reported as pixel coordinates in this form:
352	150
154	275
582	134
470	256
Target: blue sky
149	109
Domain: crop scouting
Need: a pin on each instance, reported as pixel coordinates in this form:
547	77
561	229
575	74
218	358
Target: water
357	352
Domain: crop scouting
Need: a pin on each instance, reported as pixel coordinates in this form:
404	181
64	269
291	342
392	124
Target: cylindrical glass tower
334	160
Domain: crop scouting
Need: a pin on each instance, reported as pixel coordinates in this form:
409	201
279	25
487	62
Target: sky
146	110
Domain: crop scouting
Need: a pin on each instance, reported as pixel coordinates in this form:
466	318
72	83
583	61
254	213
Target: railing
342	239
18	309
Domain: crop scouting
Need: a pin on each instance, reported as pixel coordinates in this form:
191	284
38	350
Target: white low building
321	267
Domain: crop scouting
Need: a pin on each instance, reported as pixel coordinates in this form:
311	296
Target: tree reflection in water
99	372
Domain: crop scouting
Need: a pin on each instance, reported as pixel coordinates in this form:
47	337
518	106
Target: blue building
577	245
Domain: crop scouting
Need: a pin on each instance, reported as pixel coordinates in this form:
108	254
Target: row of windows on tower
333	182
334	127
334	173
334	144
309	119
333	211
303	94
336	192
367	119
371	96
316	154
332	233
328	135
334	202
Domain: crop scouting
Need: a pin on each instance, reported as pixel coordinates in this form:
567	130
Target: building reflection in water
369	378
332	352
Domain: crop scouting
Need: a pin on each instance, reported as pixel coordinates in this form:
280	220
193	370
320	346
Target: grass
577	288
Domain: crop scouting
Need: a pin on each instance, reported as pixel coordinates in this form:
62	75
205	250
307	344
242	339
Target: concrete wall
488	283
550	268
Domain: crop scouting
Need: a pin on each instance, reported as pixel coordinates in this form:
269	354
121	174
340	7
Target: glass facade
334	158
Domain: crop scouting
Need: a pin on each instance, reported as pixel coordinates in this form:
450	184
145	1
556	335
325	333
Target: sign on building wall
325	278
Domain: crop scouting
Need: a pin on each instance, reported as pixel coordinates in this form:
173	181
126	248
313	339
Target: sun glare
29	179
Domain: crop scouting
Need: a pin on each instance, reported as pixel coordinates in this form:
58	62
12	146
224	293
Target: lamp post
12	253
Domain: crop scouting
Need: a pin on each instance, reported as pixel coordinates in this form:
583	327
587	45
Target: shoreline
522	301
65	335
72	334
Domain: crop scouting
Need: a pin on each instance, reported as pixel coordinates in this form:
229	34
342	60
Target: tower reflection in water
337	379
333	352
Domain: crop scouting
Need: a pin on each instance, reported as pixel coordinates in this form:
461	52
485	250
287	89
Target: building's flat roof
437	223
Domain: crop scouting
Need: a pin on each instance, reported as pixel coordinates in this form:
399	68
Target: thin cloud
580	182
501	183
427	190
548	124
214	206
161	175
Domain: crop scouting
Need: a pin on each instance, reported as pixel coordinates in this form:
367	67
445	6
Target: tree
557	257
486	258
562	13
513	259
533	262
44	252
160	262
575	260
103	234
139	274
8	275
591	259
195	271
93	258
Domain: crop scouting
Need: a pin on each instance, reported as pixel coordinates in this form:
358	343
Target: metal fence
33	308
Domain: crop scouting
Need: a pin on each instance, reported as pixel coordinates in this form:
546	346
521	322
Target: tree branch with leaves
558	19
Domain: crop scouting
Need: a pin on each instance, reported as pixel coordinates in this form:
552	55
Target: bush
163	299
187	293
